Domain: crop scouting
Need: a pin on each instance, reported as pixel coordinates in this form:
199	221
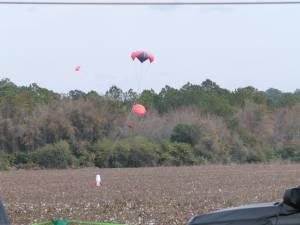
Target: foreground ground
149	196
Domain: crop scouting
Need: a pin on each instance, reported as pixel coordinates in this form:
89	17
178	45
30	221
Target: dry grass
162	196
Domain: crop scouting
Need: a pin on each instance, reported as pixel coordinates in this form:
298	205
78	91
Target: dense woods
195	124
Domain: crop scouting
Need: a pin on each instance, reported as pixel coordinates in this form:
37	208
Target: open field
162	196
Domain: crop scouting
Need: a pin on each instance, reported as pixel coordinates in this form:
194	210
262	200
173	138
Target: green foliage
4	160
115	93
248	93
142	152
289	153
178	154
233	124
243	154
185	133
168	99
148	98
57	155
77	94
276	98
202	123
208	96
21	158
246	137
82	151
131	152
130	97
209	149
41	95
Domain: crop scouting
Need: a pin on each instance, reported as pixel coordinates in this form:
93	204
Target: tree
130	97
115	93
148	98
248	93
177	154
168	99
190	134
76	94
209	86
56	155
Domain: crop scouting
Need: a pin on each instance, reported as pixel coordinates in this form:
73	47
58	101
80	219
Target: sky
235	46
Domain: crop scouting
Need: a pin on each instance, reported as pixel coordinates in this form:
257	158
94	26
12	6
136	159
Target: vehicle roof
244	213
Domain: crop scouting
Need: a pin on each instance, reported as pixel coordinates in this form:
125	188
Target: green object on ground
60	222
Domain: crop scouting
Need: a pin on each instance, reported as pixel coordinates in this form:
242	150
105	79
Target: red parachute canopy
139	109
77	68
142	56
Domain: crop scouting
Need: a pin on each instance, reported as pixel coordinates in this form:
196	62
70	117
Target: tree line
195	124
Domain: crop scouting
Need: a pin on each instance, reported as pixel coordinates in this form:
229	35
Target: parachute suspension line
147	68
138	78
137	73
143	69
142	74
146	71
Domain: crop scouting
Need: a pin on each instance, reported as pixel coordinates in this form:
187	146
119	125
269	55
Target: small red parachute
142	56
77	68
139	109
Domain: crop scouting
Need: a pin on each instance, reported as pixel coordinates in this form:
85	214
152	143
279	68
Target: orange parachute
139	109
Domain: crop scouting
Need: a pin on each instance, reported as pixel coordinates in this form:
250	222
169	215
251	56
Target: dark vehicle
3	217
285	213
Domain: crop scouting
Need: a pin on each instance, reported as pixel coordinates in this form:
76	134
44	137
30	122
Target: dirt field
149	196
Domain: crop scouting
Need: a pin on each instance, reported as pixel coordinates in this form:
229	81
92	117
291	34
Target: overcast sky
235	46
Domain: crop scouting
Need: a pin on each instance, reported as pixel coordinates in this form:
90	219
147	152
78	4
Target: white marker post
98	180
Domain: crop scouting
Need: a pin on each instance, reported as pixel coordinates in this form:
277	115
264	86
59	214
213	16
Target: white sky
235	46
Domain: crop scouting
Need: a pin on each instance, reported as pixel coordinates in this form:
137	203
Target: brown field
157	196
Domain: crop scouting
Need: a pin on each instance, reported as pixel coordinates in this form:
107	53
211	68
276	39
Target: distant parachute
142	56
139	109
77	68
140	66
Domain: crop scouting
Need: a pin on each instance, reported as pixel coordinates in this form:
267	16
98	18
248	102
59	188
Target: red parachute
139	109
134	117
77	68
142	56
